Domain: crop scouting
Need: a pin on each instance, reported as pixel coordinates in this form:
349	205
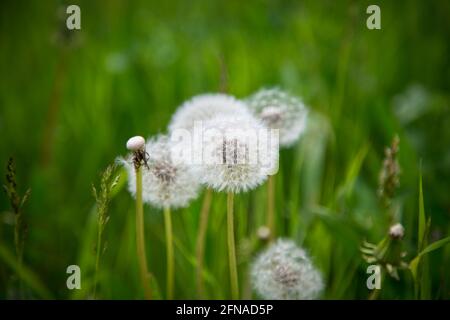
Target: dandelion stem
170	258
231	248
140	240
271	206
200	247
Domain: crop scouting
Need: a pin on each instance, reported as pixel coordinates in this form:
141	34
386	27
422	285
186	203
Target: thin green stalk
170	258
271	206
140	239
200	247
97	258
231	248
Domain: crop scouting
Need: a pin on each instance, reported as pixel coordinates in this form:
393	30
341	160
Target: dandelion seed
205	107
279	110
285	272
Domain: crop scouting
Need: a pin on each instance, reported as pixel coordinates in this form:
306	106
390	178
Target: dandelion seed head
280	110
234	157
285	272
165	183
204	107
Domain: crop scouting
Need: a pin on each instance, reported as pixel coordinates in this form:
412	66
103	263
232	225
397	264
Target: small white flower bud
396	231
135	143
263	232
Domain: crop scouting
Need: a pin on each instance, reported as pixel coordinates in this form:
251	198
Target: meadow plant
196	111
234	162
17	202
286	113
102	199
134	165
389	179
165	185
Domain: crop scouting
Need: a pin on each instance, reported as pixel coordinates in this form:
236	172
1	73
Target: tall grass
136	61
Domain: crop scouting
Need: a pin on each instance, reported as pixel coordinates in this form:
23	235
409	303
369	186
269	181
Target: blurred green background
69	100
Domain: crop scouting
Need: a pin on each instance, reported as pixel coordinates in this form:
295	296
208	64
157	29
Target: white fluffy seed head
397	231
285	272
204	107
165	183
280	110
135	143
238	154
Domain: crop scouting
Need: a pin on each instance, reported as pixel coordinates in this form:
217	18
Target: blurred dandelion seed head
205	107
285	272
280	110
164	183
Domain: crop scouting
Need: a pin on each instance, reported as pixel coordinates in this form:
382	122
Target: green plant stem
271	206
231	248
200	247
170	258
140	239
18	240
97	258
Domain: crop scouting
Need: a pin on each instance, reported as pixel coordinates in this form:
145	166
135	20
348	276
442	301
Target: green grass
68	107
